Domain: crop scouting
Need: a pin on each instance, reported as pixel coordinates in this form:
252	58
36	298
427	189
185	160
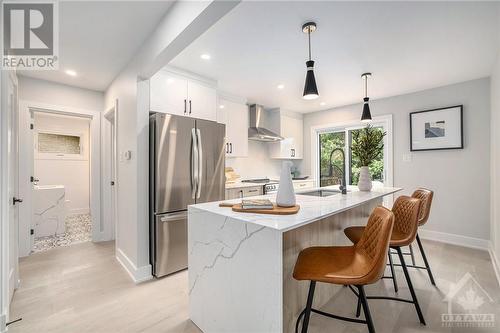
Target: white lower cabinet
235	193
235	117
302	185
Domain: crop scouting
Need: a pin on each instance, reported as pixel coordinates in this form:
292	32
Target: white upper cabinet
235	117
175	94
202	101
291	128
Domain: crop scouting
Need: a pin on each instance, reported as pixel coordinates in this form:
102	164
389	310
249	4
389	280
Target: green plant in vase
367	146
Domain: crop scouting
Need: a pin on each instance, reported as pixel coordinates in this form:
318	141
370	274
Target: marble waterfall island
240	264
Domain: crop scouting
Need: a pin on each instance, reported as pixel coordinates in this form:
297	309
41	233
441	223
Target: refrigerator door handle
174	217
200	164
194	163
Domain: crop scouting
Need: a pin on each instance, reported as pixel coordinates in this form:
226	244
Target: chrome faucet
343	185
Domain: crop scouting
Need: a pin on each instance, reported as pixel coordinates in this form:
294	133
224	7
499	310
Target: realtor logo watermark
30	35
473	307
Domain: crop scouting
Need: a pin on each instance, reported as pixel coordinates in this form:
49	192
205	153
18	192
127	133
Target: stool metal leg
366	310
307	313
412	255
425	260
393	272
410	286
358	308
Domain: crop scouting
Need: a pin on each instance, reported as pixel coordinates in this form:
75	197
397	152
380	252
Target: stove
270	186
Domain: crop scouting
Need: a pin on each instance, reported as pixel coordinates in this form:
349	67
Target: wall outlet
407	157
126	155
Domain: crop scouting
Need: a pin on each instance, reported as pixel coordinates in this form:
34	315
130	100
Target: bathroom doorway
60	177
61	180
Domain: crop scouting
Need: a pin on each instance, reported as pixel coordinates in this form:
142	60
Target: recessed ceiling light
70	72
322	103
221	106
281	86
205	56
170	80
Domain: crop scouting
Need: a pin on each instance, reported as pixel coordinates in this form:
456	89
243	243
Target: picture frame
437	129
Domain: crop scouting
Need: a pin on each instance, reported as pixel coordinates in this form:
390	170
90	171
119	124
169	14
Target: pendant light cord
366	85
309	37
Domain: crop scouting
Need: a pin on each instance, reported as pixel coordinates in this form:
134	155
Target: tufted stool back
425	196
374	242
406	212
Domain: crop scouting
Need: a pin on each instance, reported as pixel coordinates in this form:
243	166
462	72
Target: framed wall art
437	129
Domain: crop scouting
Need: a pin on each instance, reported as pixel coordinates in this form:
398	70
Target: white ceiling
98	38
408	46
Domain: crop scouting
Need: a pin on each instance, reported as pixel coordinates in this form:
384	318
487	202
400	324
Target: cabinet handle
251	191
185	106
227	148
292	152
190	106
230	148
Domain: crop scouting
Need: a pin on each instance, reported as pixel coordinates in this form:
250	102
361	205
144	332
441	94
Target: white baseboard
138	275
443	237
496	263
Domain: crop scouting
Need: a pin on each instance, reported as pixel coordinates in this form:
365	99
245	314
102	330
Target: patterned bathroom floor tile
78	230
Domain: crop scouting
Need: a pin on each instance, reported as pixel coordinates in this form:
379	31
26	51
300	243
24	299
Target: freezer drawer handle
173	217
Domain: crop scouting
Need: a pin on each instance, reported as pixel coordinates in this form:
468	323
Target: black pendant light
366	116
310	88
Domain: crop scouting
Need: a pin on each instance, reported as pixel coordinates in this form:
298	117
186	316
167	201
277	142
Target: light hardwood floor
82	288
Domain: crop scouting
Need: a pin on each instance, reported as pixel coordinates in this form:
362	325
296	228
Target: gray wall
460	178
495	158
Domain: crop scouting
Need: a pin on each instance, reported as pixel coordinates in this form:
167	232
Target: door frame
109	158
25	188
388	144
5	77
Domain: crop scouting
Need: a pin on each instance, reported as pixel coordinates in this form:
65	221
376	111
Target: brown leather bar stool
357	265
406	213
425	196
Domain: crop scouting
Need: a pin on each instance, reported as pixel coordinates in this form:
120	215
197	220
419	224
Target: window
58	143
333	138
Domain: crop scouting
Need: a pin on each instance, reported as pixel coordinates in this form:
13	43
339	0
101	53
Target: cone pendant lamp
366	116
310	87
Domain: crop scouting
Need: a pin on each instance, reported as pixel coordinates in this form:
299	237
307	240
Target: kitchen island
240	264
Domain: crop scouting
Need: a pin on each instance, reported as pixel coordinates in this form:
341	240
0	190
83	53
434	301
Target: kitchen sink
320	193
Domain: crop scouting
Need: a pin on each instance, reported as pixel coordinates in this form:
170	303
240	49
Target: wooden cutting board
275	211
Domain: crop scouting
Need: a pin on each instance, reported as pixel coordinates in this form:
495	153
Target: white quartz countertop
311	208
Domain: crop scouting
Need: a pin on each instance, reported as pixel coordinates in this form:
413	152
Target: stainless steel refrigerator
186	167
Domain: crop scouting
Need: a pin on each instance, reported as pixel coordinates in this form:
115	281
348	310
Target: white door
13	187
168	93
202	101
237	129
109	173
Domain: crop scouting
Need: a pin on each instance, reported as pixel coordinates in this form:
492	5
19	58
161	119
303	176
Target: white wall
495	157
42	91
460	178
183	23
72	173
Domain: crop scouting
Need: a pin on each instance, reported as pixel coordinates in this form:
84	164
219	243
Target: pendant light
366	116
310	88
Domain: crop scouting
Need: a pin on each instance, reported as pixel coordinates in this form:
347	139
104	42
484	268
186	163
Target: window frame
59	156
385	121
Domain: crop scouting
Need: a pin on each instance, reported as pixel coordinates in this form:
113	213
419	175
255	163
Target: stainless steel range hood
260	123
